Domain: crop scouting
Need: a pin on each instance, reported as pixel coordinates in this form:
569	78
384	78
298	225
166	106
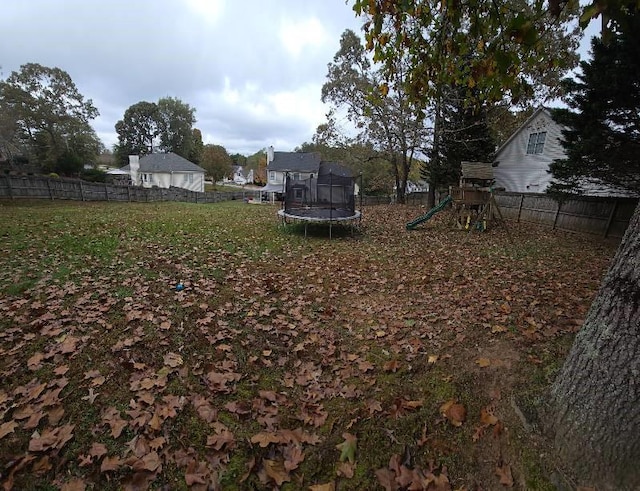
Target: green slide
423	218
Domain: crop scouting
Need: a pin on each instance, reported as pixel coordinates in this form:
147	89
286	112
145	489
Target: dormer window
536	143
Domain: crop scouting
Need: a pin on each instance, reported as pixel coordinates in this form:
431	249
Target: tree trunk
595	401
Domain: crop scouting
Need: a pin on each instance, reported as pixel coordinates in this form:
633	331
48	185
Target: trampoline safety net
329	195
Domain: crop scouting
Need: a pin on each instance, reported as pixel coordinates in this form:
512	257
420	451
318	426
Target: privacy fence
36	187
607	217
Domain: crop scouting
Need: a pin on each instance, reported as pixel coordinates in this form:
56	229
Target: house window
296	176
297	194
536	142
272	175
190	178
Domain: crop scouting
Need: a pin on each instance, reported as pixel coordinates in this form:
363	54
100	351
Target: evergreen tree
461	134
602	135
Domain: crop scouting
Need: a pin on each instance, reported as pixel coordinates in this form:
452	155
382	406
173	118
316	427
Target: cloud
303	34
253	69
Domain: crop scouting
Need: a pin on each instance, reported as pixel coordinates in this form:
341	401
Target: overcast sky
252	69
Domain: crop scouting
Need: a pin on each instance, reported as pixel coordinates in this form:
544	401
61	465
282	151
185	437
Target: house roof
165	162
535	114
295	161
334	168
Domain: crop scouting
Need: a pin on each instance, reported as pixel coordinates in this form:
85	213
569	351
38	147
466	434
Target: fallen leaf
276	471
487	418
264	438
504	473
98	450
330	486
173	360
348	448
346	469
454	412
6	428
483	362
110	464
196	473
221	439
75	484
91	396
391	366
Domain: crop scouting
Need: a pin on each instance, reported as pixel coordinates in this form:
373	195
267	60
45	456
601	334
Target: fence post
555	219
129	193
520	207
81	192
50	189
610	219
106	192
8	178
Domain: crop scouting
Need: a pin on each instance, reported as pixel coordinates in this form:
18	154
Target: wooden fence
37	187
607	217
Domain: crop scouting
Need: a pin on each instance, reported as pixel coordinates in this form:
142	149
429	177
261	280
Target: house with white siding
521	164
165	170
300	166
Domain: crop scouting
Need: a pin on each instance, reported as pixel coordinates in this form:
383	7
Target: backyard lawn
381	360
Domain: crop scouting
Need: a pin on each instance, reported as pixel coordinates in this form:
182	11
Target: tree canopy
45	117
515	49
387	118
216	161
167	125
601	138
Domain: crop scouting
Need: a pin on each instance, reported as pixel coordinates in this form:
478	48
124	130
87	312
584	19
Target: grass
367	334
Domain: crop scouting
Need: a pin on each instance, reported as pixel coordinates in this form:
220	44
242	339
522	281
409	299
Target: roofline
523	125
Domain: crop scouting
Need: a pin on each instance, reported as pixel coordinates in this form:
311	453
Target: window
296	176
297	194
272	175
190	178
536	142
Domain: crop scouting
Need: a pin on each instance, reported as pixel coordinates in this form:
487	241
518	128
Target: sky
252	69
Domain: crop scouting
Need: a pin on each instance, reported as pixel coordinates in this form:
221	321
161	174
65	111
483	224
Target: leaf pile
284	362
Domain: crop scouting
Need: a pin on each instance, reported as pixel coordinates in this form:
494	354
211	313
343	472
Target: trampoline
327	198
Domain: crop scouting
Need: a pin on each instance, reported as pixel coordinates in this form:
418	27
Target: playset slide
423	218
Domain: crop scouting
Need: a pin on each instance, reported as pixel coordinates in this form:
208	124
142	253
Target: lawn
385	359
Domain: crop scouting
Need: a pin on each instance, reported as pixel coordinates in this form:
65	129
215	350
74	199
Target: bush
93	175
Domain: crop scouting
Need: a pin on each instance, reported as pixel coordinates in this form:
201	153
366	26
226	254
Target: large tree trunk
595	401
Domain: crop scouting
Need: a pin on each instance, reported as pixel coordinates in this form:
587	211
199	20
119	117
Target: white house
522	162
299	165
165	170
238	175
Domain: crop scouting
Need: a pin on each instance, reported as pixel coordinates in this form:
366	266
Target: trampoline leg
330	231
305	230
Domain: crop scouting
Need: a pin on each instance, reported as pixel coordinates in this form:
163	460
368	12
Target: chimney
269	154
134	167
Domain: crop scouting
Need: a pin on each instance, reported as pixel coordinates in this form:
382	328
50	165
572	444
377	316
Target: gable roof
165	162
535	114
295	161
334	168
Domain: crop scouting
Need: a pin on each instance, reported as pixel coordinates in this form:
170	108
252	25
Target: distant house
165	170
238	175
521	164
299	165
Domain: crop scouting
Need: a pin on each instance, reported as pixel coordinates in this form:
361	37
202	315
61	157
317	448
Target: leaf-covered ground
381	360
